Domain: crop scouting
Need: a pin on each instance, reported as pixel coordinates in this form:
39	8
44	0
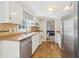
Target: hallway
48	50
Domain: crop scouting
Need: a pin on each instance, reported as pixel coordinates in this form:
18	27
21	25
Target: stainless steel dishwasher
26	48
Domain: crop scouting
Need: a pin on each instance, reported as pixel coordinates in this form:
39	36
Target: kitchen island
21	45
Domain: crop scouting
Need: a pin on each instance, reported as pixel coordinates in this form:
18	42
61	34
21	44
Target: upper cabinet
32	23
16	12
11	12
4	12
36	21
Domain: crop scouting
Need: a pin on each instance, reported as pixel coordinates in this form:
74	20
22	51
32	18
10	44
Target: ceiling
40	8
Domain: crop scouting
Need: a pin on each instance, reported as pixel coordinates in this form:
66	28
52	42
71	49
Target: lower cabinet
20	49
36	41
40	38
17	49
0	49
10	49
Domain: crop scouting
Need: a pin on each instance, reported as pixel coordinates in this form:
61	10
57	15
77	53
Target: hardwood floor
48	50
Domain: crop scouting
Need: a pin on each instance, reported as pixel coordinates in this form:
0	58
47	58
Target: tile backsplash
7	26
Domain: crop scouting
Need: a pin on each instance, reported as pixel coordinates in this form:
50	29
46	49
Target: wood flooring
47	50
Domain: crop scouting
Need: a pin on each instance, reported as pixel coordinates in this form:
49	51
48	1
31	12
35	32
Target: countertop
16	36
3	34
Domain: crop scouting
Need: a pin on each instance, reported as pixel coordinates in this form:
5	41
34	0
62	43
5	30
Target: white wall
58	39
43	27
58	34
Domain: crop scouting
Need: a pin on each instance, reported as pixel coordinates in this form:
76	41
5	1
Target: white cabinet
33	45
4	11
37	21
10	49
32	23
11	12
0	49
17	49
40	38
16	12
36	41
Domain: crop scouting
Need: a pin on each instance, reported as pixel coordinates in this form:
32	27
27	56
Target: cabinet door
10	49
32	23
16	12
0	49
4	11
33	44
38	38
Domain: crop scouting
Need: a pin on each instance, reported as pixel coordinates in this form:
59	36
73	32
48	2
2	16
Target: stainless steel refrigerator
70	37
70	42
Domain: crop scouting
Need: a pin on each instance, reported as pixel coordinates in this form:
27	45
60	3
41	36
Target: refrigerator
70	41
70	37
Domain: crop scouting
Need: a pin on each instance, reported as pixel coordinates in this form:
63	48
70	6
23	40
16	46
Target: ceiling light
68	6
50	9
13	13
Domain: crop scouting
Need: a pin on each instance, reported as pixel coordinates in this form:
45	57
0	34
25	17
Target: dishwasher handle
26	40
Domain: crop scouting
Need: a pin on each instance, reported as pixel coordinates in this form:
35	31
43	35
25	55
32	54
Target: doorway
50	30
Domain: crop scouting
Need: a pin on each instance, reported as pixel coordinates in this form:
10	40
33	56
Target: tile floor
47	50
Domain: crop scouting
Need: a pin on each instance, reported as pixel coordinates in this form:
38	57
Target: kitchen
18	30
22	30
